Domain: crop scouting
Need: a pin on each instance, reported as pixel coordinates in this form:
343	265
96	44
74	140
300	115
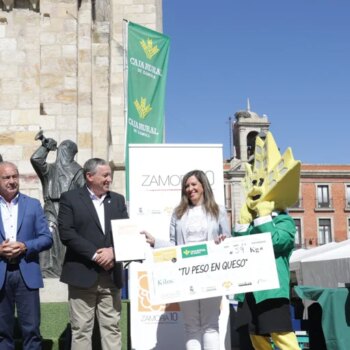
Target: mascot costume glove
246	215
264	208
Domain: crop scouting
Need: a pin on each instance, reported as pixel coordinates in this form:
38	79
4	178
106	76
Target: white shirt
100	209
9	214
196	227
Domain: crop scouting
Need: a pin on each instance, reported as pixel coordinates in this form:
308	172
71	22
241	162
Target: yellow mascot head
272	178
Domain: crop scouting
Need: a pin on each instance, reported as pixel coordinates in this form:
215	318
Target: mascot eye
254	182
261	181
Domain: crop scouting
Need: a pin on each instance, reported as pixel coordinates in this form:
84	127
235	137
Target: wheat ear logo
142	107
148	48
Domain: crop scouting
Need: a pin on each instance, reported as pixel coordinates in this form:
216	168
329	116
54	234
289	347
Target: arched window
251	145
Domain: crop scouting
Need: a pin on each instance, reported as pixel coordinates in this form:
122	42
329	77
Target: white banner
156	171
196	271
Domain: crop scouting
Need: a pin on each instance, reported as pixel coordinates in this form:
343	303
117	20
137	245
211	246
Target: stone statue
63	175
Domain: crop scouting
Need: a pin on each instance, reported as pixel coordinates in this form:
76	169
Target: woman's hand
219	239
149	238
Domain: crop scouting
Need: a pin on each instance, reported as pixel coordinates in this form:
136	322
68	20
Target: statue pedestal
54	291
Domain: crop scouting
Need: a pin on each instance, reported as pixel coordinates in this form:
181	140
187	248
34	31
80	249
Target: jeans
201	319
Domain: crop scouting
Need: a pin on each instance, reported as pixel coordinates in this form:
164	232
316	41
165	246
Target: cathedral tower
246	127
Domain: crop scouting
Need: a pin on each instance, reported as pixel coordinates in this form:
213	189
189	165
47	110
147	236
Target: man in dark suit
94	278
24	233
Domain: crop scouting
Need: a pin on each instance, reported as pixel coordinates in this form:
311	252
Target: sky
290	58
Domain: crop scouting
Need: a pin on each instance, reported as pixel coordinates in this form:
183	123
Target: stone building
61	69
321	215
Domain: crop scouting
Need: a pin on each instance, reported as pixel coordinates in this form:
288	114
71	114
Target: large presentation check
203	270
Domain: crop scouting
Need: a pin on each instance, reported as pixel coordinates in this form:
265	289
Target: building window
298	240
347	199
324	231
323	198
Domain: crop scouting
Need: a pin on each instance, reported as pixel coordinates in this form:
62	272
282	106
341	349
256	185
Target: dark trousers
15	293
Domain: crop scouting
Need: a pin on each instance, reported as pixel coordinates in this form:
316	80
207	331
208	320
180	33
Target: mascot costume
271	186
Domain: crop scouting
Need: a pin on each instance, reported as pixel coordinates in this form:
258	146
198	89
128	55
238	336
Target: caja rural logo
150	50
194	251
142	107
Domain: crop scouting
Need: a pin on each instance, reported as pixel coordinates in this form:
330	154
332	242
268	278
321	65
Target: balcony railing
324	204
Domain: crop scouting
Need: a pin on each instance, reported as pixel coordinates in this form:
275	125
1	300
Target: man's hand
12	249
5	249
105	258
18	248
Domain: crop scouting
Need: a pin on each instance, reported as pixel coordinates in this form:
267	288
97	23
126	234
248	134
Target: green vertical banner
147	56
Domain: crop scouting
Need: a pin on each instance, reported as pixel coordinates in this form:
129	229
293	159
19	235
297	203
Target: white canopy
325	266
335	251
302	253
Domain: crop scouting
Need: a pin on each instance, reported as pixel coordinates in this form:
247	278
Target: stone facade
61	69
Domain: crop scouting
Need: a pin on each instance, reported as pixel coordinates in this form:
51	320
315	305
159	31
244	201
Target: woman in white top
198	218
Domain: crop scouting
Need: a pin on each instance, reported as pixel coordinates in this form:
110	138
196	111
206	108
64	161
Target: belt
53	200
13	264
13	261
12	267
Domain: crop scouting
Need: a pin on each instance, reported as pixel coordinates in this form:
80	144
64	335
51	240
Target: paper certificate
129	244
203	270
